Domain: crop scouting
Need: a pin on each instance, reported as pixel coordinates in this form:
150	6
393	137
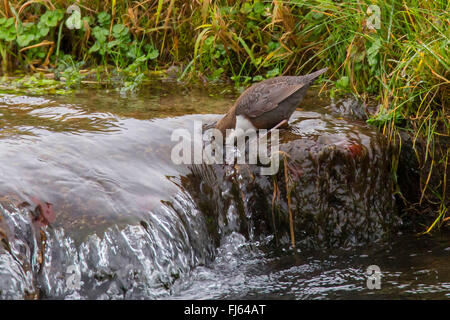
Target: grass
393	53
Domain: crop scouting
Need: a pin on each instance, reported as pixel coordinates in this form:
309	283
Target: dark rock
335	180
419	190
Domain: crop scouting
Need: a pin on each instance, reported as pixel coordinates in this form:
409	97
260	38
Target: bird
268	104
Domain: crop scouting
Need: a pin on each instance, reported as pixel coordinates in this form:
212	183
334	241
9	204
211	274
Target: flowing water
92	206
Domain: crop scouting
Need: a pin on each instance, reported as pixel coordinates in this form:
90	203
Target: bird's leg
281	124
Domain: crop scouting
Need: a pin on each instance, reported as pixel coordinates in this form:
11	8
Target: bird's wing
263	98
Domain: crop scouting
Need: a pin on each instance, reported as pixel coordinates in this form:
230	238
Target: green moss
32	85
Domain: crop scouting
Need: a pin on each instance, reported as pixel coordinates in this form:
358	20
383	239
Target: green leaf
273	73
258	78
250	25
24	40
258	7
217	73
9	22
246	8
134	51
8	34
208	42
153	54
43	31
383	116
141	59
95	47
272	46
51	18
100	34
372	52
246	79
11	37
103	18
88	19
113	43
217	54
74	21
41	54
343	82
118	28
119	31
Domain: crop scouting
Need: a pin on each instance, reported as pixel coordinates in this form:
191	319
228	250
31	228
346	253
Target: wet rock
173	72
419	165
334	181
350	108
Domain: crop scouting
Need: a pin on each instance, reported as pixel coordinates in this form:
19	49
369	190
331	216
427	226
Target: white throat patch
243	123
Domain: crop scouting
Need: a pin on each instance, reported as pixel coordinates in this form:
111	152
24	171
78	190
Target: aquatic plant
35	84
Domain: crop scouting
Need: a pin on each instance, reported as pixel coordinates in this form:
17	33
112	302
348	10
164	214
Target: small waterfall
130	224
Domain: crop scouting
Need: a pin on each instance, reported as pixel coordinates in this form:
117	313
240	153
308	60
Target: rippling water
126	227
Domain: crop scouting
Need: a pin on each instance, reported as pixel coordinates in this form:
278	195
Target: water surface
126	227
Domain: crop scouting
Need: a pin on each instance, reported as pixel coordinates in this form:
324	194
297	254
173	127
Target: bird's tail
313	76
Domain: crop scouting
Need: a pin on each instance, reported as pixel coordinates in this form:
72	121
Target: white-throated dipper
268	104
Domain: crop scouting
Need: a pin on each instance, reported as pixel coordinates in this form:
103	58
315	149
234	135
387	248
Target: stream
93	207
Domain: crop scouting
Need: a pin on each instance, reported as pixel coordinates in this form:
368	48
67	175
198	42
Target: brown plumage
267	103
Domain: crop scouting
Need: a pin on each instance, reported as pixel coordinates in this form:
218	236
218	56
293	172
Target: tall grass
392	52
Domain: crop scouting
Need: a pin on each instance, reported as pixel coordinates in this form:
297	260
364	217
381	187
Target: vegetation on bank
393	53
